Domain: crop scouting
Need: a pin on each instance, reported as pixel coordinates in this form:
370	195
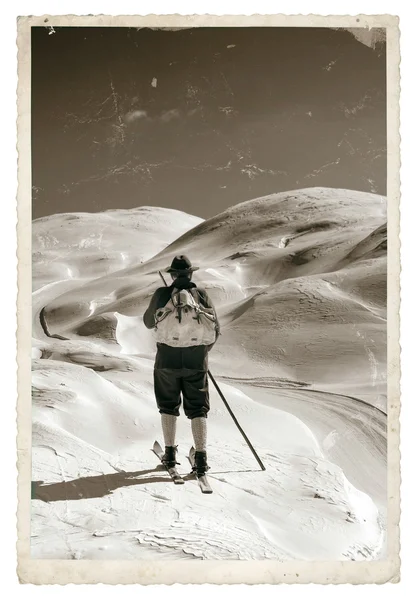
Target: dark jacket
194	357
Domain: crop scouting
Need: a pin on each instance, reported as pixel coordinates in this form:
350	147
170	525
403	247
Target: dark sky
201	119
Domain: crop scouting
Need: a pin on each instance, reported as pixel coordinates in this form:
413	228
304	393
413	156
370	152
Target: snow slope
88	245
299	280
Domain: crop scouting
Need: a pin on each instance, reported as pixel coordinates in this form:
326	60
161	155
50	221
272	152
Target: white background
8	82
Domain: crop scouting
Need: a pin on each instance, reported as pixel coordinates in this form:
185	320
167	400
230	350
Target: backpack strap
195	292
164	311
173	292
201	308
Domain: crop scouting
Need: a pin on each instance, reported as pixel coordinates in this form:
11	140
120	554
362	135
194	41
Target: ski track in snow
98	492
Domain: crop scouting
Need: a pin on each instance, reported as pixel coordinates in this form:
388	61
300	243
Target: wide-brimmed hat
181	264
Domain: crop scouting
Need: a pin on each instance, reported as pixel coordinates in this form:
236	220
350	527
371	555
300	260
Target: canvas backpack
183	322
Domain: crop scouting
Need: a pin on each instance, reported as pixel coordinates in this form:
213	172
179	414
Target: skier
186	328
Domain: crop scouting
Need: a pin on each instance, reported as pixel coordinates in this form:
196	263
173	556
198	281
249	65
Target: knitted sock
169	428
199	429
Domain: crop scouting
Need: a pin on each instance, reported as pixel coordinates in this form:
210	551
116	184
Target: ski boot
169	457
200	463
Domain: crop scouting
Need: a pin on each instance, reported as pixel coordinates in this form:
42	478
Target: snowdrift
299	280
276	267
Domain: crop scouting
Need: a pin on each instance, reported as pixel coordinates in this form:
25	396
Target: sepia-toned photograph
209	293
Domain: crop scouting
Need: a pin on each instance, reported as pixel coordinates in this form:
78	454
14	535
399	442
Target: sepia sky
202	119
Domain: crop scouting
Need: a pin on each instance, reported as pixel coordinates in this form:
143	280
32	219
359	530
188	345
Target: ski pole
226	404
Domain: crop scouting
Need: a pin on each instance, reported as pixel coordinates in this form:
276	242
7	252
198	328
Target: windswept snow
86	245
299	280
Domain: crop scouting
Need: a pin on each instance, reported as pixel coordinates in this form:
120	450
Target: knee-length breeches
173	386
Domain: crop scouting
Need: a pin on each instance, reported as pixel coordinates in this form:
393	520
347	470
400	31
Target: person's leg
169	428
196	406
199	431
195	393
168	396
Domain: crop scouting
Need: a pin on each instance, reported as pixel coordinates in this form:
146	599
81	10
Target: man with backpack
186	328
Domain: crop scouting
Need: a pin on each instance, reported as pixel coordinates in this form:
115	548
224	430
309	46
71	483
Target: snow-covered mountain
299	281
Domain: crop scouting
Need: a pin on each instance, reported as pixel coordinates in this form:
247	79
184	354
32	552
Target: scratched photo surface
259	153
